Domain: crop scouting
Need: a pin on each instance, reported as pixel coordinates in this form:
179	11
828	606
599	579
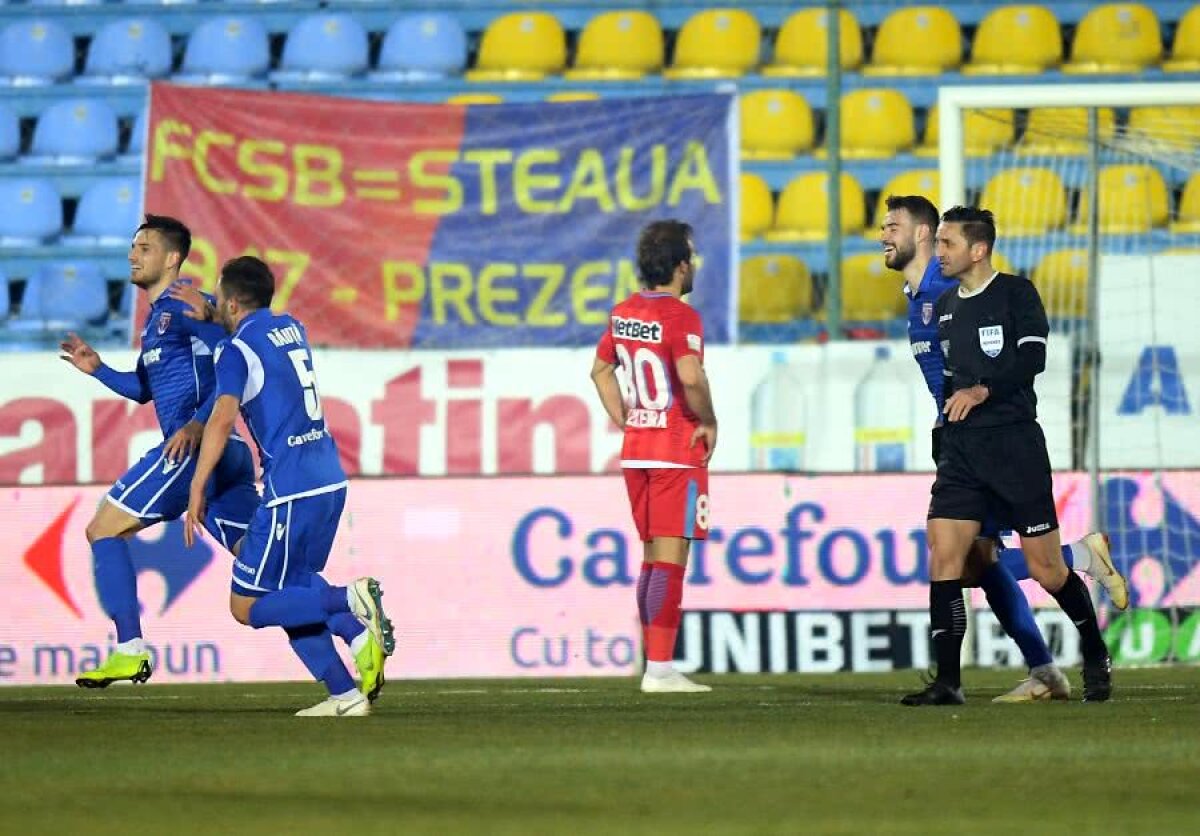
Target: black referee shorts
999	472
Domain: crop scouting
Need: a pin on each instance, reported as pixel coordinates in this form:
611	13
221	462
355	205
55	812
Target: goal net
1096	194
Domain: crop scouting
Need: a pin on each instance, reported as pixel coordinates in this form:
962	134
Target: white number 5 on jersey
308	380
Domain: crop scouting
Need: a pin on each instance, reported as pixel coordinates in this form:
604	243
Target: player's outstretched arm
699	400
216	436
604	375
131	385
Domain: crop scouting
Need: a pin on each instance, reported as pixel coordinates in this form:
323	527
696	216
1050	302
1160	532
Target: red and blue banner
446	226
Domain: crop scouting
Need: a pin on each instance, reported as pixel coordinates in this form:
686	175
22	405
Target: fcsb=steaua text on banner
393	225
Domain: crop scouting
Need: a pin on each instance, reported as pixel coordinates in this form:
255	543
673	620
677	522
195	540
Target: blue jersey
923	329
175	368
267	365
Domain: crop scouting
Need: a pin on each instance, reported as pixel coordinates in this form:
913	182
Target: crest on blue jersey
926	313
164	322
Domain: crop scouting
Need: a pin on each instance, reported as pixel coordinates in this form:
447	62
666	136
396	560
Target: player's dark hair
919	208
248	280
662	246
173	231
978	225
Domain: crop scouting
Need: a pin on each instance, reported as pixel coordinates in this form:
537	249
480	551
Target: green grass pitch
761	754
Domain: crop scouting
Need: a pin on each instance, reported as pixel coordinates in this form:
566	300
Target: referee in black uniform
993	331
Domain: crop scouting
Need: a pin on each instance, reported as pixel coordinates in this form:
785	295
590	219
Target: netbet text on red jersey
647	334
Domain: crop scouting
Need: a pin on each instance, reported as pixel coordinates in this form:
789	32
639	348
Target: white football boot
356	705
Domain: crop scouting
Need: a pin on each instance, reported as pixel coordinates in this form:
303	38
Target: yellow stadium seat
774	288
1061	278
924	182
800	46
920	40
1189	207
522	46
1116	38
1001	263
573	96
803	210
984	131
776	125
1133	198
871	291
1185	49
1063	130
1025	201
618	46
757	206
1014	40
1171	128
475	99
717	43
876	123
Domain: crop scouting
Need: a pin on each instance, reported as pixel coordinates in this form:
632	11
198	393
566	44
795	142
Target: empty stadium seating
524	46
774	289
717	43
1061	278
801	47
1015	40
619	46
924	40
870	291
64	294
894	56
776	125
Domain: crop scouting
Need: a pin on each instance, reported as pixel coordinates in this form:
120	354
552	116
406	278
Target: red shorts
669	501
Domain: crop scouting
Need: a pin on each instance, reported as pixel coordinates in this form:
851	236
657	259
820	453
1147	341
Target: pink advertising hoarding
533	576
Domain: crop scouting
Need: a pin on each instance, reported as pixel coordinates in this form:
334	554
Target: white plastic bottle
778	418
883	434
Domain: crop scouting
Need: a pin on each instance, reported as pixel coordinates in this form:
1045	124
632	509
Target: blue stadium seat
422	46
128	52
35	52
74	132
226	50
10	133
65	293
107	213
323	47
31	211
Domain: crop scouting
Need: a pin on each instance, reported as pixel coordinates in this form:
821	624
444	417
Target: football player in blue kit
265	371
907	236
175	371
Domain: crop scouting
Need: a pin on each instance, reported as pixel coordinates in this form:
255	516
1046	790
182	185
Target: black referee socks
948	625
1076	602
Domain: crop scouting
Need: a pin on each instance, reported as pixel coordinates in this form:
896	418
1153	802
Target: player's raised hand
708	434
184	442
190	295
959	405
193	522
79	354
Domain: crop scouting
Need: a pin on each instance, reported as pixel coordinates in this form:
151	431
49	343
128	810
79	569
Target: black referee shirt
995	336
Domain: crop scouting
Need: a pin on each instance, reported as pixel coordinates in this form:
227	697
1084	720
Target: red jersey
647	333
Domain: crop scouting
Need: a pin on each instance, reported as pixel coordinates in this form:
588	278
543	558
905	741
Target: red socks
660	595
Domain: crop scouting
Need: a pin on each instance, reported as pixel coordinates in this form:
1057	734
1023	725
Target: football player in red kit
649	372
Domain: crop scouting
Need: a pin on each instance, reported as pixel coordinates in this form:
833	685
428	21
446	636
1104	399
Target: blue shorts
287	543
155	490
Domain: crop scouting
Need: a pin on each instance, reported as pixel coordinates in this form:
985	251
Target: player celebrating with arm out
175	371
265	370
649	373
907	235
993	331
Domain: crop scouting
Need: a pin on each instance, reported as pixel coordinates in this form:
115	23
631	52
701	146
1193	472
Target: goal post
1096	190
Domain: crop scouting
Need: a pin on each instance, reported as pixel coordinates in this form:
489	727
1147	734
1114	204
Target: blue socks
313	644
1012	610
343	625
1014	561
298	606
116	585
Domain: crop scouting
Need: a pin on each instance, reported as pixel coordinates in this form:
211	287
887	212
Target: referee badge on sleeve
991	339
